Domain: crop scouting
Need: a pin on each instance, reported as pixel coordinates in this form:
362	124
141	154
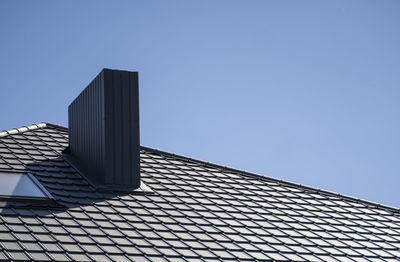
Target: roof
190	211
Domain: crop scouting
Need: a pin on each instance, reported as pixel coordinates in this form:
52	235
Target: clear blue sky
305	91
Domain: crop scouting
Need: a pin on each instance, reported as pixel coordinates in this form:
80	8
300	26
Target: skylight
21	185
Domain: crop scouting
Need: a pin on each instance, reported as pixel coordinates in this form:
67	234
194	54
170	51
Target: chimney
103	124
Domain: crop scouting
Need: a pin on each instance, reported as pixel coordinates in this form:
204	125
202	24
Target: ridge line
22	129
31	127
222	167
276	180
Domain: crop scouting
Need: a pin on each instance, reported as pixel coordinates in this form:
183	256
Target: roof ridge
64	128
219	166
30	127
22	129
279	181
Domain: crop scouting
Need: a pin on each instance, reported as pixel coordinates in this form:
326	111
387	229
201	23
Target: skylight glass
21	185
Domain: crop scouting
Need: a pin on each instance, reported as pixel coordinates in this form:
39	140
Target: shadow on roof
68	188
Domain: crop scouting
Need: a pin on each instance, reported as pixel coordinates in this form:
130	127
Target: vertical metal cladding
104	129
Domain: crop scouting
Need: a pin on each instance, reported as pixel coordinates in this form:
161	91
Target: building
59	201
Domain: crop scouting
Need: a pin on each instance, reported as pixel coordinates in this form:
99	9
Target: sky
303	91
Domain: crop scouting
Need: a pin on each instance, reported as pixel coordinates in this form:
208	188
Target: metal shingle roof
195	211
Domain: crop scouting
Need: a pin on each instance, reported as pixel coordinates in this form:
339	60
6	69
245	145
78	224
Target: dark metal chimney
103	124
